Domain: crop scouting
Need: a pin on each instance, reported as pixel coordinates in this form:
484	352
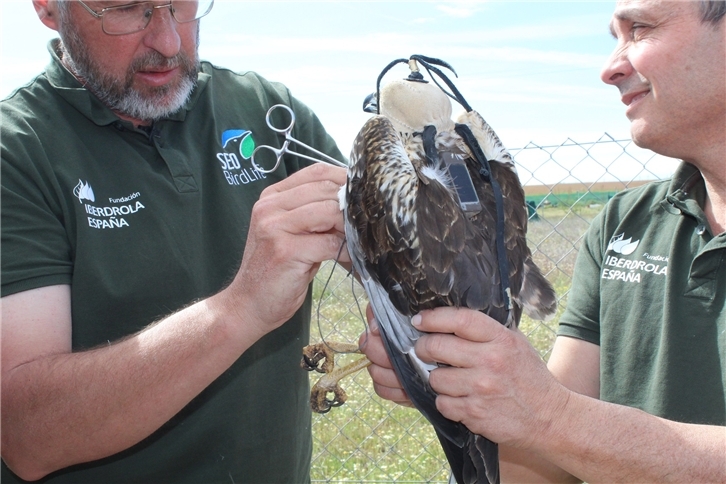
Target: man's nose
161	33
617	67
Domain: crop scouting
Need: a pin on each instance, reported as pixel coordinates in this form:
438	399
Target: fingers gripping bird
435	216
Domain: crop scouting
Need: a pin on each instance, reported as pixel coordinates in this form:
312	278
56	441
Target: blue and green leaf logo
241	136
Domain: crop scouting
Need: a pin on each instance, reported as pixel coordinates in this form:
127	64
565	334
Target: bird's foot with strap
321	358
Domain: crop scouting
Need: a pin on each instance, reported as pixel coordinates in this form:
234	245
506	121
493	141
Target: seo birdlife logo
234	142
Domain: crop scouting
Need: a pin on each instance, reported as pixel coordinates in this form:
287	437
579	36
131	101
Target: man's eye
132	8
637	30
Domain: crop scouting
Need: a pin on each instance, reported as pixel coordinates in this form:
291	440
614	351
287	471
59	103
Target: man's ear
47	11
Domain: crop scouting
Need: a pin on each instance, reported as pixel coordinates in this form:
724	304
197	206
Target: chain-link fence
371	440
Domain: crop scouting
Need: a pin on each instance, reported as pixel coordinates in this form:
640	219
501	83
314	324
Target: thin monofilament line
355	298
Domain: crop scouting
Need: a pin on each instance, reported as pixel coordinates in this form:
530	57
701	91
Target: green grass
372	440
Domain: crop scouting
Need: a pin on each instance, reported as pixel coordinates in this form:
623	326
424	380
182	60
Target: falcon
435	216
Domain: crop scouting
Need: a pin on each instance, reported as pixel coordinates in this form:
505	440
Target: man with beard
155	285
636	385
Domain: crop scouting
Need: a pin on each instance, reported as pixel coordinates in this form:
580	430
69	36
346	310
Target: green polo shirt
140	224
649	287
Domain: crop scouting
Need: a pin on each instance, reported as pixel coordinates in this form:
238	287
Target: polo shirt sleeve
581	318
36	251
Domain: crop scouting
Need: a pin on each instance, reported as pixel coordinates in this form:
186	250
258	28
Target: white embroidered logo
625	269
112	215
83	191
620	245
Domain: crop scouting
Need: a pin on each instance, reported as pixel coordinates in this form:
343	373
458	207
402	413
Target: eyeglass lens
136	16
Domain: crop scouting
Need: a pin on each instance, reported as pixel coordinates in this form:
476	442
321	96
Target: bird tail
537	297
477	462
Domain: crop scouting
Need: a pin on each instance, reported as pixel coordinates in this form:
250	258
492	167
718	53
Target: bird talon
321	358
319	401
317	357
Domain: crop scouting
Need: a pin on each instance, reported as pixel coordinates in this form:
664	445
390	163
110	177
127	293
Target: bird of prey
435	216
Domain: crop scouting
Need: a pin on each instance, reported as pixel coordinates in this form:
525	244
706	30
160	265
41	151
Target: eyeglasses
134	17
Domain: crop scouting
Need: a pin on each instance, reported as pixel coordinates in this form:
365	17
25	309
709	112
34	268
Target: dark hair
712	10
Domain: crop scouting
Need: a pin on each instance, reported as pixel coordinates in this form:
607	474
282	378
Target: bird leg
321	358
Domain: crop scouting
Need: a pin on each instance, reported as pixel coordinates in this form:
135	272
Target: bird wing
530	289
378	243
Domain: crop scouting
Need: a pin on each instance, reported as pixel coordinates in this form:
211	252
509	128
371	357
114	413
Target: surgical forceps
280	152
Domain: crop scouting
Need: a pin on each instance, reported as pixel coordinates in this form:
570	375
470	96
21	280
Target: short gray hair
712	10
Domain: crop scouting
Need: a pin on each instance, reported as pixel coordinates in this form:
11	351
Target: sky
532	69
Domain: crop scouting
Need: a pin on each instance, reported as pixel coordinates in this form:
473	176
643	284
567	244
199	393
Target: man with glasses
155	284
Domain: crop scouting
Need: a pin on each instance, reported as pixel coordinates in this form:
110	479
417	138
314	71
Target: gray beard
118	94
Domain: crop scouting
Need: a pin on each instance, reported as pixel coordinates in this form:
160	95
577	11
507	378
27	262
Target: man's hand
385	381
295	225
495	383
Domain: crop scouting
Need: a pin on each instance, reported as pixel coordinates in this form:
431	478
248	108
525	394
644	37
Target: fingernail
373	324
416	320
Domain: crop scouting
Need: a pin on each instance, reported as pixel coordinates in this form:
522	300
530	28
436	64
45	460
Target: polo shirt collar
687	191
68	87
687	196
